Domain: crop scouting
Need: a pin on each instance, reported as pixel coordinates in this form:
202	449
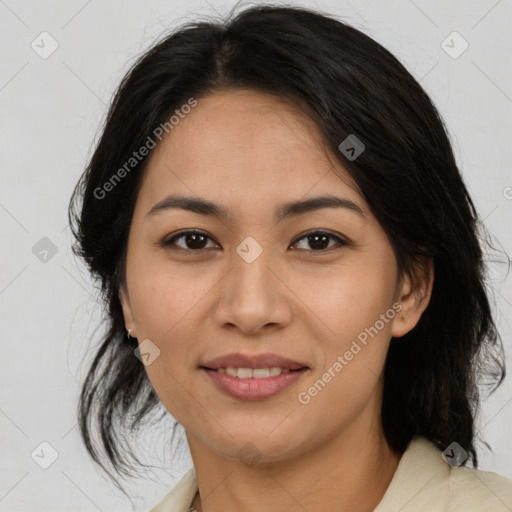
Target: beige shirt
423	482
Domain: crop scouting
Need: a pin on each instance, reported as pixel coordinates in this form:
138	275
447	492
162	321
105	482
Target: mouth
254	377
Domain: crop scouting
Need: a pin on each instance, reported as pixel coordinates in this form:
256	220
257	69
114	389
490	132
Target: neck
349	472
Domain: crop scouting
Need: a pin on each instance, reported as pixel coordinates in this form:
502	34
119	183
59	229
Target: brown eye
192	240
319	240
195	241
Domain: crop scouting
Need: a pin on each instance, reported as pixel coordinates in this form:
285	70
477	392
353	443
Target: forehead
244	143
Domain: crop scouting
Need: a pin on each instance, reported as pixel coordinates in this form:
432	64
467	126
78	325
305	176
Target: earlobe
414	297
127	309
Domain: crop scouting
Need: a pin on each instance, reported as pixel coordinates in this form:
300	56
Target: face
315	286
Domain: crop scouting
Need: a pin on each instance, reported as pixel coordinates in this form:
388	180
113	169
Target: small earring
128	333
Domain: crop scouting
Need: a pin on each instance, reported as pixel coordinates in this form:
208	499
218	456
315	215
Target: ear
127	310
415	290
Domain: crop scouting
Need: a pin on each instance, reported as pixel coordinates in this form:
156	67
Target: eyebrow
285	210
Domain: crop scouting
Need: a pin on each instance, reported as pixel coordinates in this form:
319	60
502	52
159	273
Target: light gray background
50	111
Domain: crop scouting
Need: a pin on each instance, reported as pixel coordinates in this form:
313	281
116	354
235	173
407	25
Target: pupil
314	241
195	237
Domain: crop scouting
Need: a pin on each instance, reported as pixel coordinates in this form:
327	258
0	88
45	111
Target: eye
319	240
193	240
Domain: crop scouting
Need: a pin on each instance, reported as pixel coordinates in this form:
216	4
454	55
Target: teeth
243	373
256	373
261	373
232	372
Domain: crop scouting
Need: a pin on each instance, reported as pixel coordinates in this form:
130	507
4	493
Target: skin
250	152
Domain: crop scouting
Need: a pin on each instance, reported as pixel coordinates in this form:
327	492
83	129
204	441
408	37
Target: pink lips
253	388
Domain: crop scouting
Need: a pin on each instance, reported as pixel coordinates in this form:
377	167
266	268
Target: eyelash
169	242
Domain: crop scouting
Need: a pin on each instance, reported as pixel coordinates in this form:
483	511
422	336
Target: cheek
348	377
162	296
350	303
348	299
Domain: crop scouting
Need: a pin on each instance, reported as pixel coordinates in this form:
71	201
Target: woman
276	218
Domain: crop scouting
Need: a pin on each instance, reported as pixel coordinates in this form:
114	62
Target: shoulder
424	482
487	491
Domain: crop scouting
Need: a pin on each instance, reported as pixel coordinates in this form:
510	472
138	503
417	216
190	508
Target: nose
253	296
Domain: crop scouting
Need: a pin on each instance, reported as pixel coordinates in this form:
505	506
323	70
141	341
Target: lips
252	361
253	377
